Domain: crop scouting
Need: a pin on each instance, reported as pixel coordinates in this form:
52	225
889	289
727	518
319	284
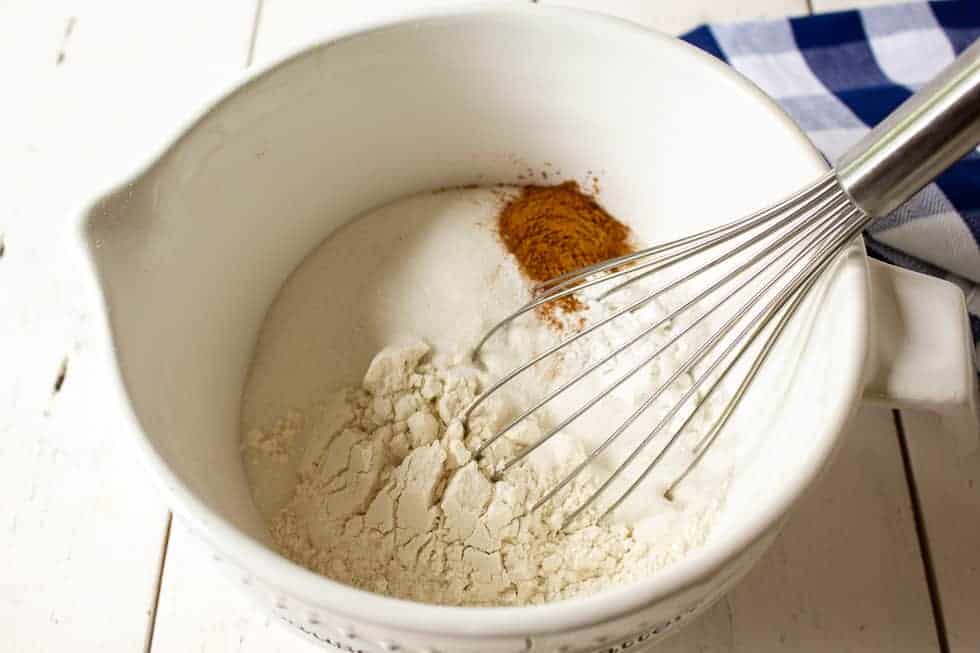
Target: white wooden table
884	556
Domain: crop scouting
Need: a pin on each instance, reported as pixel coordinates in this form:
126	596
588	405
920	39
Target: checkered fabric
838	75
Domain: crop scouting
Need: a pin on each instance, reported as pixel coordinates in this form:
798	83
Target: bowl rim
300	584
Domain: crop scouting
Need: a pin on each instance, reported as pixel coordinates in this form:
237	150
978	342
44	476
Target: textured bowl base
328	643
644	643
321	629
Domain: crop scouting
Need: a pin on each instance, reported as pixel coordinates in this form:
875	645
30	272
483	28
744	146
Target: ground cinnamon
552	230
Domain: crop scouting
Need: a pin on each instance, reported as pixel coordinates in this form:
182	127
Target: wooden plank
948	492
839	5
91	87
287	24
845	574
948	488
679	17
201	609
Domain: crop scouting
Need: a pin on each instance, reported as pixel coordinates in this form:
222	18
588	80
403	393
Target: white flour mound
390	499
377	487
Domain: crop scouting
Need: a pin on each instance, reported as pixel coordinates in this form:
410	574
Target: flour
390	499
277	441
376	485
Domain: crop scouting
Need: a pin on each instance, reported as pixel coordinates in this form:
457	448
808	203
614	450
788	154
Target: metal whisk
779	253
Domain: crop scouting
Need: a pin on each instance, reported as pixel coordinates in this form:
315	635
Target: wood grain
202	609
91	87
288	24
948	488
846	573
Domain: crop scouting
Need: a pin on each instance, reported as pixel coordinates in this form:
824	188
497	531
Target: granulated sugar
376	486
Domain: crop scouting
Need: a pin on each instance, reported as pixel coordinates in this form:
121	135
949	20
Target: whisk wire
832	202
702	447
746	337
687	365
617	351
724	229
822	201
775	258
577	281
716	427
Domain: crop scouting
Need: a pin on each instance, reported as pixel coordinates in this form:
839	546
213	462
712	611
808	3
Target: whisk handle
928	133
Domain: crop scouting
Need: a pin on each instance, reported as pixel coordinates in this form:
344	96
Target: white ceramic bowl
189	253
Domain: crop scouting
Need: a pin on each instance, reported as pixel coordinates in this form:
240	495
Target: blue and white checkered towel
838	75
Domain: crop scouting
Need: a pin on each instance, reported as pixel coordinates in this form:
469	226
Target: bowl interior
191	255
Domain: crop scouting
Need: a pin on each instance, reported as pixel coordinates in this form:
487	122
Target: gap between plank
920	531
159	585
255	32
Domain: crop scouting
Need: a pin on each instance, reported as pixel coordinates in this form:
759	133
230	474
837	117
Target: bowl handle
922	354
